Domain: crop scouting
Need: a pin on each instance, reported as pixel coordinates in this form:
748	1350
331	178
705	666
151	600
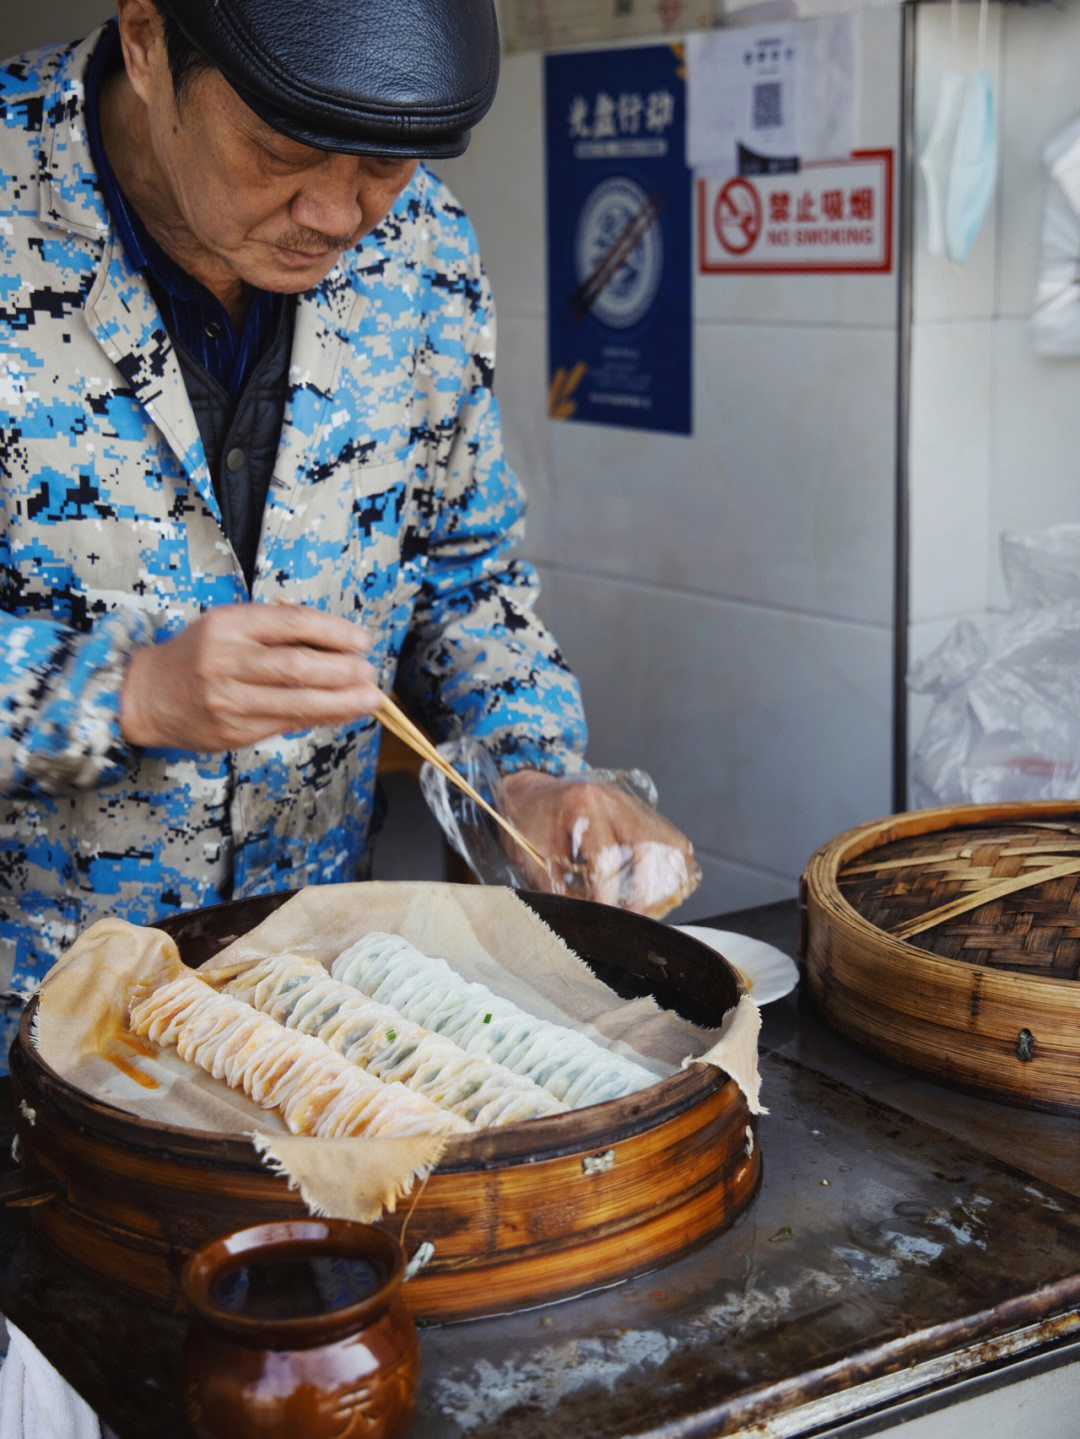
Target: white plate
768	972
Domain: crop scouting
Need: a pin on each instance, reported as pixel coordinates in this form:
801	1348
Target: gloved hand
599	830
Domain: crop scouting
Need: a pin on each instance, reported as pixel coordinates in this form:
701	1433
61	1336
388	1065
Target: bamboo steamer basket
948	941
517	1216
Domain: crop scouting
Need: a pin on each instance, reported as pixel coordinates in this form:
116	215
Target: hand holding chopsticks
241	673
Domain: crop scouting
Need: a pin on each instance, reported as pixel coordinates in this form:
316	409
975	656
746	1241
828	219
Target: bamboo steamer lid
948	941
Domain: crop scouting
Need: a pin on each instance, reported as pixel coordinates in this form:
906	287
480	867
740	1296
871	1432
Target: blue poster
619	238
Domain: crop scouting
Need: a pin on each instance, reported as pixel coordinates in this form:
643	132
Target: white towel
35	1402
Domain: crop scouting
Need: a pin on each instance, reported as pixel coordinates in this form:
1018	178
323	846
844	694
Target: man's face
234	200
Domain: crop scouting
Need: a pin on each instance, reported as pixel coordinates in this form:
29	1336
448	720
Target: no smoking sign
737	216
836	216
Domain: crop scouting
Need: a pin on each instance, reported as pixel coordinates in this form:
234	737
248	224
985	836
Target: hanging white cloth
959	163
936	159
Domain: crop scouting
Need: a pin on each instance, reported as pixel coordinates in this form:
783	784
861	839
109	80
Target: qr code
768	105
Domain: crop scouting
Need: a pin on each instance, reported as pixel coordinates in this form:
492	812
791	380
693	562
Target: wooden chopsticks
397	722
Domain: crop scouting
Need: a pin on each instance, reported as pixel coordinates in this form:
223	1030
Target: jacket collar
70	195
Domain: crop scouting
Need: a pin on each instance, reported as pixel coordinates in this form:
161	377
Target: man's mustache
314	242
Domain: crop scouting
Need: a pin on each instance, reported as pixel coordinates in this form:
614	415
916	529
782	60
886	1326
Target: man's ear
143	40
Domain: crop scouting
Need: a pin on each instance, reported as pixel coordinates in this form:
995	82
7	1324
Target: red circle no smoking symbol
737	216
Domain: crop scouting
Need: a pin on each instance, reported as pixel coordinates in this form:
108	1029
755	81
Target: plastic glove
599	830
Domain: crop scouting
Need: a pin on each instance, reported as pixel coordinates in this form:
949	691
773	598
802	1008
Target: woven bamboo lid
948	940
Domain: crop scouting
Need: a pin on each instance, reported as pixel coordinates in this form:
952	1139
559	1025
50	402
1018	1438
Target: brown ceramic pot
299	1328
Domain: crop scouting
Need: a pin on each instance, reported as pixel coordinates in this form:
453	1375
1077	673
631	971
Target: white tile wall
950	468
726	886
24	26
500	179
1035	478
766	731
521	384
782	497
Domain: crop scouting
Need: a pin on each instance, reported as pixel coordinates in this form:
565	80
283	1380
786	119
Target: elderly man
251	474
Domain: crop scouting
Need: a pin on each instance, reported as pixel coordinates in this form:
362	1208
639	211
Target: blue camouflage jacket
390	502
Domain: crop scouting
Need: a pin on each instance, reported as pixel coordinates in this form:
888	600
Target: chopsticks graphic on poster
626	242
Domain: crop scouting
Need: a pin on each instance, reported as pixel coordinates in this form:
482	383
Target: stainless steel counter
909	1247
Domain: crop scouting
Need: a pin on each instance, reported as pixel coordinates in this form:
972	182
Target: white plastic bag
1005	724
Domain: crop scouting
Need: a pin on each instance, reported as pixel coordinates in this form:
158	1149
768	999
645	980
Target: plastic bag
1005	725
650	873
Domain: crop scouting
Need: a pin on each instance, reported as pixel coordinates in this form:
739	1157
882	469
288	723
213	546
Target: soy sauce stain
112	1041
131	1071
141	1046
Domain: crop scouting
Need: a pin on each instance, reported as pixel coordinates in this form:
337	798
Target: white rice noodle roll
280	969
397	1050
426	989
168	1022
213	1053
279	1068
345	1114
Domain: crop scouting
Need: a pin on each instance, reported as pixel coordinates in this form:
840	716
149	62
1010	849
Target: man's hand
603	843
244	672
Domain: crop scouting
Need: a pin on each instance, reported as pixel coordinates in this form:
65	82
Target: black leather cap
372	77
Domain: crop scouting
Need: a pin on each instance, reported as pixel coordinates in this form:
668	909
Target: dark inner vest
240	436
